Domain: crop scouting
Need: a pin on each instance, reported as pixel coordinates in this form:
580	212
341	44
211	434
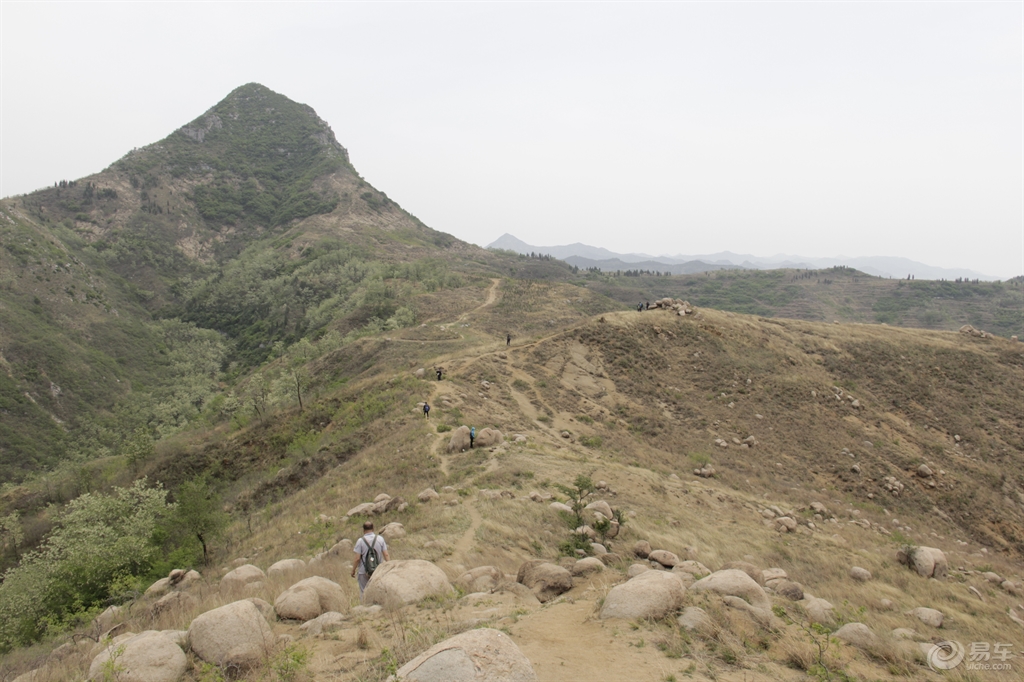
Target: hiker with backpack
472	436
371	551
426	411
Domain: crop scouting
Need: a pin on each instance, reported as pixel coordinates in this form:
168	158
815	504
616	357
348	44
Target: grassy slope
835	294
634	399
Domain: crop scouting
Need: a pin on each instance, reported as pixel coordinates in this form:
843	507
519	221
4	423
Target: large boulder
479	579
285	567
586	566
483	655
818	610
664	557
932	617
149	656
298	603
487	437
545	580
459	440
235	636
427	495
750	569
405	582
642	549
179	602
309	598
929	562
235	582
325	622
736	583
393	531
602	507
858	635
653	594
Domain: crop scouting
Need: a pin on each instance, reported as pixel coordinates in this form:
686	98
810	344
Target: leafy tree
11	532
138	449
99	540
199	514
578	493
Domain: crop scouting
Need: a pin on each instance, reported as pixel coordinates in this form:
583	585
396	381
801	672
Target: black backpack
370	559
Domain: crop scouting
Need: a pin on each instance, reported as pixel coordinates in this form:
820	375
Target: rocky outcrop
485	438
858	635
483	655
459	442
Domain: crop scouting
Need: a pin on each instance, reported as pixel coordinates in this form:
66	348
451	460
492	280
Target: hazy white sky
818	129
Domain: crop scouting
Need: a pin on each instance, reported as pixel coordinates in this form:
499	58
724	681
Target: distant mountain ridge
585	256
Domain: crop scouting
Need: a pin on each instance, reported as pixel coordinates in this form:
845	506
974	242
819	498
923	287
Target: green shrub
441	428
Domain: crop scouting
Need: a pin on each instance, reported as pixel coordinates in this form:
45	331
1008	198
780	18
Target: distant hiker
426	411
640	307
647	305
439	371
508	340
371	551
472	436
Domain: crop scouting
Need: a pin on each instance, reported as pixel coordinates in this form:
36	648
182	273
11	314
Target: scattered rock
325	622
695	619
587	566
664	557
479	579
929	562
818	610
861	575
483	655
486	438
285	566
735	583
393	531
905	633
181	602
545	580
750	569
931	617
636	569
603	507
924	471
364	509
459	441
235	582
642	549
235	636
993	578
559	507
858	635
694	568
428	495
265	608
652	594
785	524
788	589
149	656
309	598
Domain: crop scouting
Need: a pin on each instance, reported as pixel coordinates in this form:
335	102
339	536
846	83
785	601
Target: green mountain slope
130	296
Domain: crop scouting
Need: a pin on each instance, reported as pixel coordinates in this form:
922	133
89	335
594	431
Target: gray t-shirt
363	545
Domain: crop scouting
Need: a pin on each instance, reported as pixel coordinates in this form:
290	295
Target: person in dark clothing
472	436
439	371
426	411
508	339
640	307
647	305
